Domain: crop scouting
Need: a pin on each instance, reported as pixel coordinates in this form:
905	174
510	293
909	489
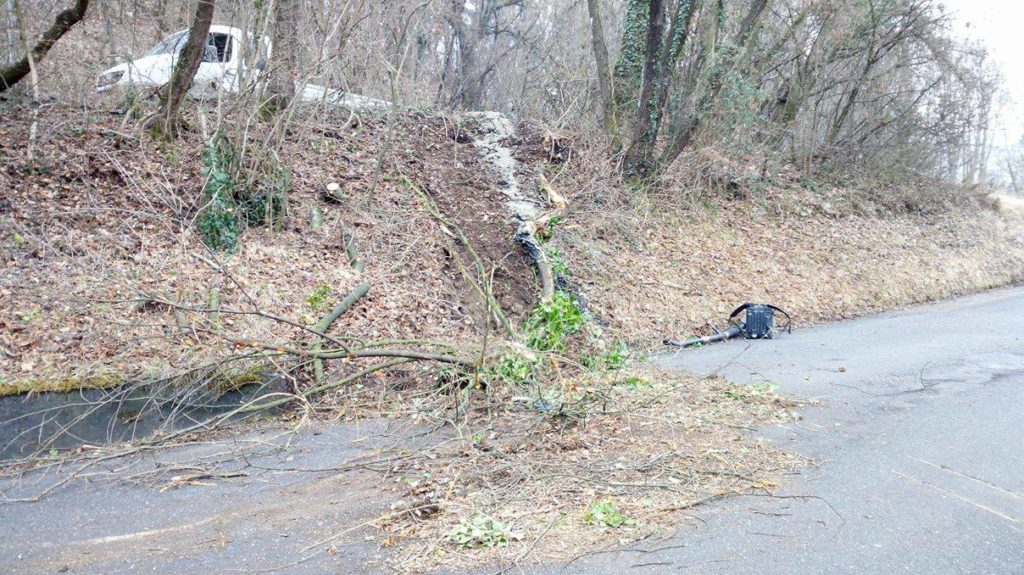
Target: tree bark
191	56
14	73
604	78
629	67
638	156
678	35
12	25
284	61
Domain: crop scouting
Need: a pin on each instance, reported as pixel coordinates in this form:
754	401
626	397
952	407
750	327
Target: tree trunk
14	73
678	35
165	123
744	40
12	25
638	161
454	71
604	78
629	67
284	61
109	42
469	90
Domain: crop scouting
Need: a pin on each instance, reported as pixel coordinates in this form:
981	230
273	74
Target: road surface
917	430
919	439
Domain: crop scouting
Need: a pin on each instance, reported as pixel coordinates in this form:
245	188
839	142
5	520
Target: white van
227	62
220	70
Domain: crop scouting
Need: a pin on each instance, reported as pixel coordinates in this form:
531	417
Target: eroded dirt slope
102	222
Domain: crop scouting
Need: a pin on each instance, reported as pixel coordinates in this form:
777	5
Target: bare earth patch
99	235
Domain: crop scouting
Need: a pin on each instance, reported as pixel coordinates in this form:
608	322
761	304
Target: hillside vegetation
107	277
482	225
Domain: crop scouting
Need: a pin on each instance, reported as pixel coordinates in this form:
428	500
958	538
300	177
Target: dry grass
651	443
664	264
103	224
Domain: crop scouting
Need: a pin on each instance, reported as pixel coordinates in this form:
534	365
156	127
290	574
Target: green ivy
230	205
552	322
218	223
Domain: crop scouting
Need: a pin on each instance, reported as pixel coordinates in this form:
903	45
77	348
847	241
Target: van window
169	45
218	46
221	44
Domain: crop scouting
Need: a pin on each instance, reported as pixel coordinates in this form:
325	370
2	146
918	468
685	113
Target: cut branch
343	306
325	323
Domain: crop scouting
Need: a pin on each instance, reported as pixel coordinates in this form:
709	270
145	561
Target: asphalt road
919	443
917	430
139	515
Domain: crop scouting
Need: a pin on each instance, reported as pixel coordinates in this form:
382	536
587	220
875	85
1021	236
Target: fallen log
526	236
342	306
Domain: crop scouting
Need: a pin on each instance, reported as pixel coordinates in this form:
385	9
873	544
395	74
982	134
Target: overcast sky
999	24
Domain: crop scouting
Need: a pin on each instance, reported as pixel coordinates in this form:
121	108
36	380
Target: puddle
40	422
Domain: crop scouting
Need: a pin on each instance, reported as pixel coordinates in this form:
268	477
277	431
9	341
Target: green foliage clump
604	513
218	224
635	382
230	204
558	265
511	368
481	531
318	299
552	322
618	357
547	329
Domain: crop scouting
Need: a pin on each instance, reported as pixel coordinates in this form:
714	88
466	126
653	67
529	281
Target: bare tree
164	123
284	61
1013	165
604	78
798	82
11	75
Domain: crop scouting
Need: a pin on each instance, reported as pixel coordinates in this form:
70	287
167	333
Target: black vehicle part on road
758	323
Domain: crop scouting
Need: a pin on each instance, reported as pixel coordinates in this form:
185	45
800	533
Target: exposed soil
103	220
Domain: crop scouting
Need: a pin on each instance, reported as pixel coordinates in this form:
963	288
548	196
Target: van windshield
169	45
217	49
